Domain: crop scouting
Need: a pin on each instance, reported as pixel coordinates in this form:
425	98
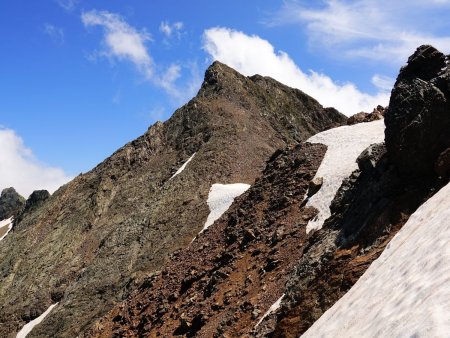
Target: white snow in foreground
7	222
274	307
406	291
29	326
220	198
344	144
183	166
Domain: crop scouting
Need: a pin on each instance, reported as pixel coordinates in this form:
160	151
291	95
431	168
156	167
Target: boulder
314	185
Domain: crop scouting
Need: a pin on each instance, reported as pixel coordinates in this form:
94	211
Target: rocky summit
109	232
251	212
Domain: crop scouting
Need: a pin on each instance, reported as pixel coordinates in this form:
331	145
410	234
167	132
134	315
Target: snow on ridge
344	144
26	329
7	222
220	198
406	291
183	166
273	308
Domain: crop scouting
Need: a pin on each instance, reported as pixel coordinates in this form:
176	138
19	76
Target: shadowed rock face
97	238
11	203
418	117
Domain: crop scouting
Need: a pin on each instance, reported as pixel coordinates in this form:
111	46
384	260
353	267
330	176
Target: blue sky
81	78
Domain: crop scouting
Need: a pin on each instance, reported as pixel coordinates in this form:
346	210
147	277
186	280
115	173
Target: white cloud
121	40
55	33
169	29
187	89
389	31
20	169
382	82
252	55
68	5
124	42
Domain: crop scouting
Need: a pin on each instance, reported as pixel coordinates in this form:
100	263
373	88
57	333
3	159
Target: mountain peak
219	76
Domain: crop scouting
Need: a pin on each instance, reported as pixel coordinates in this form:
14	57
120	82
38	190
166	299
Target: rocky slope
227	278
100	236
258	255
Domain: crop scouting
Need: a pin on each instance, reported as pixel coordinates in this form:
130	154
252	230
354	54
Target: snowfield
273	308
406	291
29	326
220	198
7	222
344	144
183	166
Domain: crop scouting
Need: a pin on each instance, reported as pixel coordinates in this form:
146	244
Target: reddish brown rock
226	279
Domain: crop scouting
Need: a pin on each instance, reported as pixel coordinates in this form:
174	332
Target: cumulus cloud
253	55
20	169
121	40
55	33
387	31
169	30
382	82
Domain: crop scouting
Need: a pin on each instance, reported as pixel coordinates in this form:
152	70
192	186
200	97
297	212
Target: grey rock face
11	203
418	117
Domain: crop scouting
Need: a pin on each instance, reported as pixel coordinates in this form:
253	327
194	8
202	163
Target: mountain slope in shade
97	238
406	291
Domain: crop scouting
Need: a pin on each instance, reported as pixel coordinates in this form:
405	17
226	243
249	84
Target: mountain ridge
96	238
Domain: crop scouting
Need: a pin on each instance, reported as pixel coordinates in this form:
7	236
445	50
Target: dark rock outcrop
36	199
11	203
418	117
96	239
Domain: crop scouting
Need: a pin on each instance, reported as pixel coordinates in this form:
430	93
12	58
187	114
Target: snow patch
26	329
273	308
7	222
220	198
183	166
406	291
344	144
